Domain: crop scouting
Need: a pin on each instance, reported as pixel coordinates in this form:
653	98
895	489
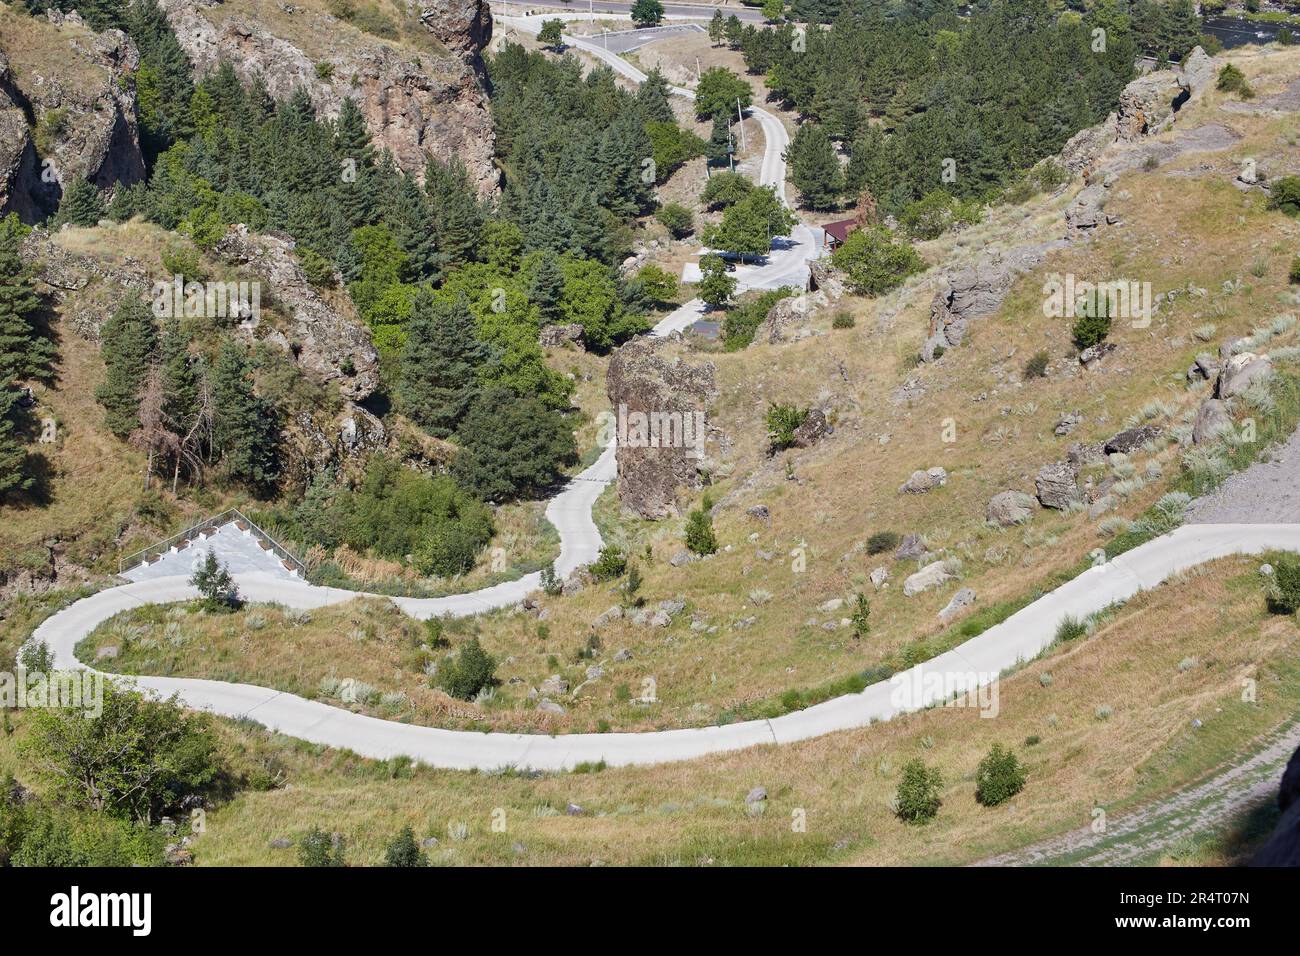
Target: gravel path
1268	492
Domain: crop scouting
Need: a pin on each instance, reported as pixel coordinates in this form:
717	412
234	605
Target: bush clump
1036	367
610	565
917	800
1070	629
782	420
1232	80
883	541
1284	591
677	219
470	671
700	537
999	777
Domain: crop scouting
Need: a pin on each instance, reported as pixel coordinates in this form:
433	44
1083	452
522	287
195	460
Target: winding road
972	665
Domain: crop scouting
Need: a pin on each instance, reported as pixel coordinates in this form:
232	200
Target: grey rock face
640	381
930	576
1130	440
1240	372
912	546
556	336
1212	420
922	481
963	599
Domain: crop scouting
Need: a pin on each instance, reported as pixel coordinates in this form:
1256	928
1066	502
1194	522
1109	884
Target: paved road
966	668
673	11
625	41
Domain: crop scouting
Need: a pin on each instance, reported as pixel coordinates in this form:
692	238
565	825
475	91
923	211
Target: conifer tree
24	352
245	427
128	341
814	167
13	457
457	216
440	363
653	96
81	204
546	291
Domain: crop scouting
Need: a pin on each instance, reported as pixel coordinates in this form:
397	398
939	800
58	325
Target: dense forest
923	100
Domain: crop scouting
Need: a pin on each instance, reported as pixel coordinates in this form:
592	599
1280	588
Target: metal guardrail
184	538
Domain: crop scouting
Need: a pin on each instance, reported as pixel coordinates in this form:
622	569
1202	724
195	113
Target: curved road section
972	665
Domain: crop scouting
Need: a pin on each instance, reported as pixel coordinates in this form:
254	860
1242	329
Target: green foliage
814	167
139	759
245	425
550	582
404	851
843	320
81	205
1092	320
128	340
742	320
647	13
677	219
316	848
471	670
592	300
1070	629
782	420
716	285
1036	366
999	777
395	511
657	284
552	33
883	541
749	225
934	213
1285	197
874	262
216	587
36	658
671	146
718	91
726	189
773	10
511	446
441	363
861	615
25	352
1294	275
609	565
1284	589
917	800
700	537
1232	80
35	833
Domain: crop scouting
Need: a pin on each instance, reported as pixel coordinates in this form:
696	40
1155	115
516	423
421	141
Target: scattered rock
574	810
813	429
661	618
760	512
683	558
1205	367
1057	485
834	604
963	599
615	613
673	606
1240	372
1084	455
107	653
922	481
595	672
623	655
558	336
879	577
1067	424
757	795
1130	440
1212	420
548	706
1008	508
912	546
1095	353
281	843
555	685
930	576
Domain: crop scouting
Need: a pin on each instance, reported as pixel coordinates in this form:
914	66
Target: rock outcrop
930	576
327	345
1008	508
640	382
1131	439
78	86
787	321
1212	420
418	102
922	481
1057	485
976	293
1240	372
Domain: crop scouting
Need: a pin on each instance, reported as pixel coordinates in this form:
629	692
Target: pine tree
814	168
717	28
245	427
440	364
546	291
81	205
128	341
719	149
24	352
13	457
164	82
653	96
457	215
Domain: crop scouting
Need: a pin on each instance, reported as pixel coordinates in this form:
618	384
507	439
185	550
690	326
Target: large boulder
1008	508
1131	439
787	321
813	429
558	336
930	576
1212	420
1057	485
644	386
922	481
1240	372
327	345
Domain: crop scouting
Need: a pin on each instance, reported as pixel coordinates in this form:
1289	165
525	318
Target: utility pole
731	155
698	74
740	121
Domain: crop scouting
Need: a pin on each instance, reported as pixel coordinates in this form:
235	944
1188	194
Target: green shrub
699	532
843	320
1092	322
551	583
469	672
1294	275
861	616
1071	628
917	800
883	541
404	851
1284	590
874	262
743	319
782	420
36	658
1232	80
217	590
1036	367
999	777
318	270
1285	196
677	219
611	564
316	848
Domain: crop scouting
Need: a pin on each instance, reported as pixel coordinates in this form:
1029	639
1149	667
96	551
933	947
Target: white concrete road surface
972	665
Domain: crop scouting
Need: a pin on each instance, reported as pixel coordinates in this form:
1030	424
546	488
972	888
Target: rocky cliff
422	93
67	110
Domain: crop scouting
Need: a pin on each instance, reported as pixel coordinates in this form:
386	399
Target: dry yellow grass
1155	665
